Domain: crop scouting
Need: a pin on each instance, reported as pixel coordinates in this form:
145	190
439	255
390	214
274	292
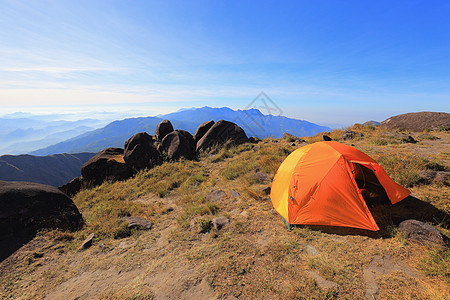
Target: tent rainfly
325	184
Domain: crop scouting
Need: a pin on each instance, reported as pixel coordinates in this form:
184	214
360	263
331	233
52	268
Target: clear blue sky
323	61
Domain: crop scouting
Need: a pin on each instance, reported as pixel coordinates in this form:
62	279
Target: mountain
54	170
116	133
20	135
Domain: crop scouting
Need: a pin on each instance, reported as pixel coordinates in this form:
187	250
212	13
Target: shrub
205	225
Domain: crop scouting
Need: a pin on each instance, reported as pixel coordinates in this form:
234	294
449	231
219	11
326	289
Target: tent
326	183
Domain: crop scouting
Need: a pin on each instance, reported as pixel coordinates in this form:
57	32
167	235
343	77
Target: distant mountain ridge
54	170
116	133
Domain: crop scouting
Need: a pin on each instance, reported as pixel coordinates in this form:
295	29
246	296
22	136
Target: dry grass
253	257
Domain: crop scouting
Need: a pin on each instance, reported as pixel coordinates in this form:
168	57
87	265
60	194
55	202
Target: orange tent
324	183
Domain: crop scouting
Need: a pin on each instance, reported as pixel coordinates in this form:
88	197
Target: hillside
254	256
114	134
419	121
54	170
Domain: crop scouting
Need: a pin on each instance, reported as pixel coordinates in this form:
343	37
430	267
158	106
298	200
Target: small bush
205	225
122	231
444	128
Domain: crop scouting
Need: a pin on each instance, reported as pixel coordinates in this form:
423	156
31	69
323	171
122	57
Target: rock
107	165
292	138
220	222
349	135
420	232
266	190
371	123
254	140
408	139
27	207
87	242
442	178
163	129
138	223
177	144
322	282
326	138
215	196
140	152
202	129
261	177
220	133
235	195
74	186
257	148
311	250
245	214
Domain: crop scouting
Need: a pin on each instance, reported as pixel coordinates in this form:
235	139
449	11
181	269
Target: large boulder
74	186
177	144
220	133
140	152
27	207
163	129
420	232
107	165
202	129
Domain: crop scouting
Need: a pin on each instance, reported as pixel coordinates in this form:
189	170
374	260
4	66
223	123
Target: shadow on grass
388	217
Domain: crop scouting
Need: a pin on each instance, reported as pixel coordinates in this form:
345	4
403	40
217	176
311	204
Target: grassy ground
254	257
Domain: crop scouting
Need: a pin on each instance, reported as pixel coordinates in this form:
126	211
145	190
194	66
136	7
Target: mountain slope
116	133
54	170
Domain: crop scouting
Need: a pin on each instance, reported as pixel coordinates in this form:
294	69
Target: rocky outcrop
140	152
163	129
177	144
326	138
27	207
349	135
107	165
202	129
74	186
419	121
220	133
292	138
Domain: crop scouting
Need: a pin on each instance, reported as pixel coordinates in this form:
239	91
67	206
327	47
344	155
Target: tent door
368	184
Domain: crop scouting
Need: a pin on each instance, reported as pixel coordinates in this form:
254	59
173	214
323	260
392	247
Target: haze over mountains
116	133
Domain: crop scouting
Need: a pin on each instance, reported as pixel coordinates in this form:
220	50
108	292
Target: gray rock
220	222
408	140
87	242
292	138
420	232
140	152
177	144
322	282
215	196
138	223
220	133
266	190
202	129
349	135
163	129
261	177
235	195
311	250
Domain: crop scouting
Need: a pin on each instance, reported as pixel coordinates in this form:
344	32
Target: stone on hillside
220	133
254	140
138	223
177	144
140	152
163	129
87	242
215	196
220	222
26	207
420	232
326	138
74	186
292	138
442	178
235	195
408	140
107	165
261	177
202	129
349	135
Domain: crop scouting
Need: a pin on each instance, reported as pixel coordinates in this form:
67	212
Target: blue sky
323	61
